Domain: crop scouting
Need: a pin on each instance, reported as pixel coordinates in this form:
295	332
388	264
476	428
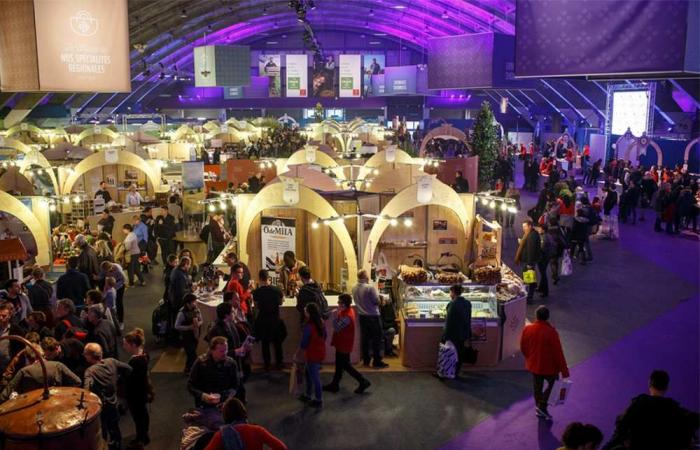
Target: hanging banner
111	156
290	194
297	75
192	175
390	153
425	189
310	154
350	75
278	235
371	65
323	81
270	66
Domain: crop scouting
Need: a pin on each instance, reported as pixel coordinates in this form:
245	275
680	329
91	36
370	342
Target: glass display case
429	301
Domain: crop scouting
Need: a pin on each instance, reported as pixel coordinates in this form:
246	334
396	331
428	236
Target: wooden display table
193	243
290	316
121	219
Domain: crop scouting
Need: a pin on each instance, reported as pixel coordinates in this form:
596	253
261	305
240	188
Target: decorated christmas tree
484	142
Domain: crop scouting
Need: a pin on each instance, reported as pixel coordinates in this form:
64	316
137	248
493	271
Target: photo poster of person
271	66
323	80
372	64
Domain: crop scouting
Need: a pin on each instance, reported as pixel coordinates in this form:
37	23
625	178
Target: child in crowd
312	349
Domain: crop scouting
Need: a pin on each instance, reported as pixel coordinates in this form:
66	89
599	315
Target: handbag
567	268
560	392
447	360
530	276
470	355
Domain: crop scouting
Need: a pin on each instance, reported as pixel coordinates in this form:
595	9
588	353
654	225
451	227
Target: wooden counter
290	316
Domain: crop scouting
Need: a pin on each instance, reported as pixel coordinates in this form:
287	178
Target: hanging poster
372	65
297	75
290	194
310	154
270	66
350	75
425	189
278	235
111	155
192	175
324	77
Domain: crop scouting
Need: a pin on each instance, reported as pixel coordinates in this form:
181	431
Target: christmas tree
484	142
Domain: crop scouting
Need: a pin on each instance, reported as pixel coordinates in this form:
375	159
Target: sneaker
315	403
380	365
304	398
331	388
364	385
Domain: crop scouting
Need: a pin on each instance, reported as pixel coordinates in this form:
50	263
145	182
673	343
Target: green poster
346	83
293	83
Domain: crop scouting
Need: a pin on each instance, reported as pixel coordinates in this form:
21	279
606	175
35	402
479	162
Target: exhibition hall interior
349	224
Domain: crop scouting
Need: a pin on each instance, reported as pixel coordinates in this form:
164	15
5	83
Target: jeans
543	287
541	394
134	269
313	380
189	343
371	335
277	343
343	364
110	426
120	304
139	413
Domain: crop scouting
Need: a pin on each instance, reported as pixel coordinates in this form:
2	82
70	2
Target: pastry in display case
430	301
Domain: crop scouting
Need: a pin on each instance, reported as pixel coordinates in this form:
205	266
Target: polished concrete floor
633	309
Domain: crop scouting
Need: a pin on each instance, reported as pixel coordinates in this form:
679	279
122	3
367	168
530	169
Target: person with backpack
310	292
164	230
238	434
367	301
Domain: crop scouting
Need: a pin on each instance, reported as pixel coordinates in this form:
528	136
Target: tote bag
567	268
560	392
447	360
530	276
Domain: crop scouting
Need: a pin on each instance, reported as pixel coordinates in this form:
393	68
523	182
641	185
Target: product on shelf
487	275
413	275
450	278
511	285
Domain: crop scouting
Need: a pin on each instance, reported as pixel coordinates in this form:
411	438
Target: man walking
544	358
366	300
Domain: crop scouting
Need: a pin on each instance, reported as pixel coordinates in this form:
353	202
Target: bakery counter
420	339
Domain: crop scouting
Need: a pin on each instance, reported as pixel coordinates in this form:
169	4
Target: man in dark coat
310	292
87	260
214	376
458	323
269	328
73	284
528	253
164	230
461	184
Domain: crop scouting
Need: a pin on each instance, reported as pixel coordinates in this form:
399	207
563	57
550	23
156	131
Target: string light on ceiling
493	202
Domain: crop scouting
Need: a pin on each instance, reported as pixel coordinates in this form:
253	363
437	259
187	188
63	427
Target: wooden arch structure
443	132
642	143
9	204
99	159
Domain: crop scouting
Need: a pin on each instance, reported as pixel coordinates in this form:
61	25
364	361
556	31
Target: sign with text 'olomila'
65	45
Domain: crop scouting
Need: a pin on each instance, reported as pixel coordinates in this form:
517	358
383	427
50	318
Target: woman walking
313	349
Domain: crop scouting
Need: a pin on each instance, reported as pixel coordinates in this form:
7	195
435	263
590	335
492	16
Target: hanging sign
310	154
425	189
297	75
290	194
350	75
390	153
23	127
111	156
98	129
2	141
224	128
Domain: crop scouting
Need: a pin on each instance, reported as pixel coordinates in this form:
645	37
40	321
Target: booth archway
271	197
15	145
443	132
35	158
96	131
322	159
380	158
99	159
10	205
405	200
641	144
688	148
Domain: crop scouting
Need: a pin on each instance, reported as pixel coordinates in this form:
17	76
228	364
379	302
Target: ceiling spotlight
512	209
445	15
212	207
183	14
408	222
504	207
52	207
314	225
264	12
66	200
311	4
222	205
393	222
485	201
76	199
493	204
371	13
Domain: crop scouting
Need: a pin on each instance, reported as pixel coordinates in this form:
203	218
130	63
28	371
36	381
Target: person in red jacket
544	358
343	341
235	285
313	349
238	431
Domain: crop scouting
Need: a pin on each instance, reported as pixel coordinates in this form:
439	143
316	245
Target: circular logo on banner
83	24
644	141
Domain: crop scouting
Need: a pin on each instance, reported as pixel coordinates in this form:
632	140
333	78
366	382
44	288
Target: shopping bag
447	360
560	392
530	276
296	378
567	268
